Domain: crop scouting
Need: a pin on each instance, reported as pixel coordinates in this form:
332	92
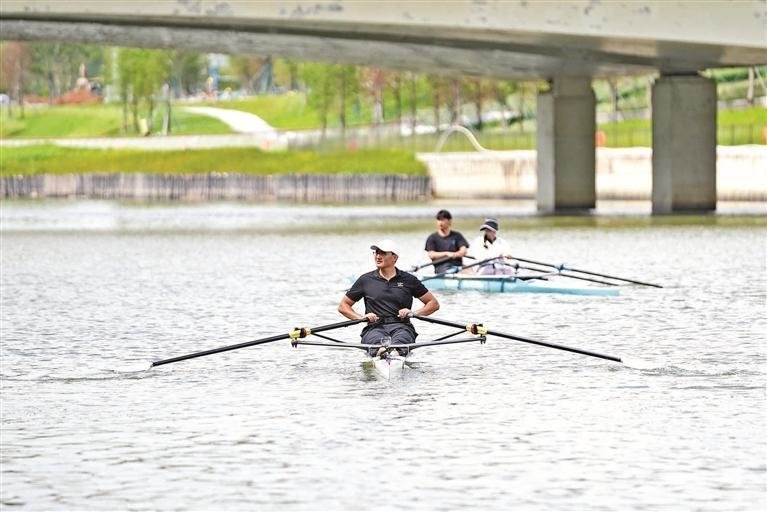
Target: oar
295	334
437	262
564	267
435	276
478	329
559	273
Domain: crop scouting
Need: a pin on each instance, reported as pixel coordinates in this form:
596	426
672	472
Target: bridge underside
426	56
485	39
511	55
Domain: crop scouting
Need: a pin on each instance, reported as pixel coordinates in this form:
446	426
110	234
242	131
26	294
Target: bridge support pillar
683	144
566	147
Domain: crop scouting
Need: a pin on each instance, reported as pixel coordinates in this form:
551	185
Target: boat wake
639	364
649	368
80	374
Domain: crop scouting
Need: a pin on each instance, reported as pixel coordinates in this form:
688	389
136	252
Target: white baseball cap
386	245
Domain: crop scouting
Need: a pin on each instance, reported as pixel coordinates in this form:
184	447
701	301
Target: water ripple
89	303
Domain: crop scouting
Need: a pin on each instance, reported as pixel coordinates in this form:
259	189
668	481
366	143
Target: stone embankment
341	188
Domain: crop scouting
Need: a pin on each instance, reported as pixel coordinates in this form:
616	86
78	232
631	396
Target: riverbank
381	175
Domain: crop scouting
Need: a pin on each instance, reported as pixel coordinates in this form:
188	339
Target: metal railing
506	140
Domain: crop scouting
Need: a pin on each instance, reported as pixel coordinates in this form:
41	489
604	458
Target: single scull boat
388	362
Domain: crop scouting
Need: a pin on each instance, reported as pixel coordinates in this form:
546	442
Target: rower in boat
446	245
489	245
388	293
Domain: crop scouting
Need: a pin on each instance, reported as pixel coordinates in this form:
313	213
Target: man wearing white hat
388	294
489	245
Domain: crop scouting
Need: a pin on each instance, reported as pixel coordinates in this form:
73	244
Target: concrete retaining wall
220	186
622	173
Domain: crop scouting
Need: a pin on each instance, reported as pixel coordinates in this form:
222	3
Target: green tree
503	90
373	82
187	71
348	81
14	66
478	91
438	88
287	73
141	74
320	80
54	67
247	69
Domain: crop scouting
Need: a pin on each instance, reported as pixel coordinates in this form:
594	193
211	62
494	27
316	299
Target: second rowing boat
512	284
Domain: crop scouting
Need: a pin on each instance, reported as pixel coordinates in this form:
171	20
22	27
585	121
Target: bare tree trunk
413	104
150	115
456	102
125	114
649	96
20	95
398	98
325	107
166	117
521	107
20	87
293	73
378	113
612	83
436	111
342	106
134	108
478	105
750	90
500	97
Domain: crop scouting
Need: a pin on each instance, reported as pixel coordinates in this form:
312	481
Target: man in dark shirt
388	294
445	243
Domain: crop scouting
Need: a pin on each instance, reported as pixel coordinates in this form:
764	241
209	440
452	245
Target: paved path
241	122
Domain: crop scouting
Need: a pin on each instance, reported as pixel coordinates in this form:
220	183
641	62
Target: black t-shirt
386	298
449	243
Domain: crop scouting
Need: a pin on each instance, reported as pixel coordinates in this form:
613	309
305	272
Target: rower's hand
372	318
403	313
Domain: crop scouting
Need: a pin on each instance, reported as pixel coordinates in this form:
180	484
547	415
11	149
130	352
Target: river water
92	292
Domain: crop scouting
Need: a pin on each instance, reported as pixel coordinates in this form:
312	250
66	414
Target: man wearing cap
489	245
446	244
388	294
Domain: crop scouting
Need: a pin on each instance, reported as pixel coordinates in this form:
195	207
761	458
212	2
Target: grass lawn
290	112
102	120
51	159
743	126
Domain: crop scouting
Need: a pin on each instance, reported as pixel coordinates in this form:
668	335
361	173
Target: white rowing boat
389	364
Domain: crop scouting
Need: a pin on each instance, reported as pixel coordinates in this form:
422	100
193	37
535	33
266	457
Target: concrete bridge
567	43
